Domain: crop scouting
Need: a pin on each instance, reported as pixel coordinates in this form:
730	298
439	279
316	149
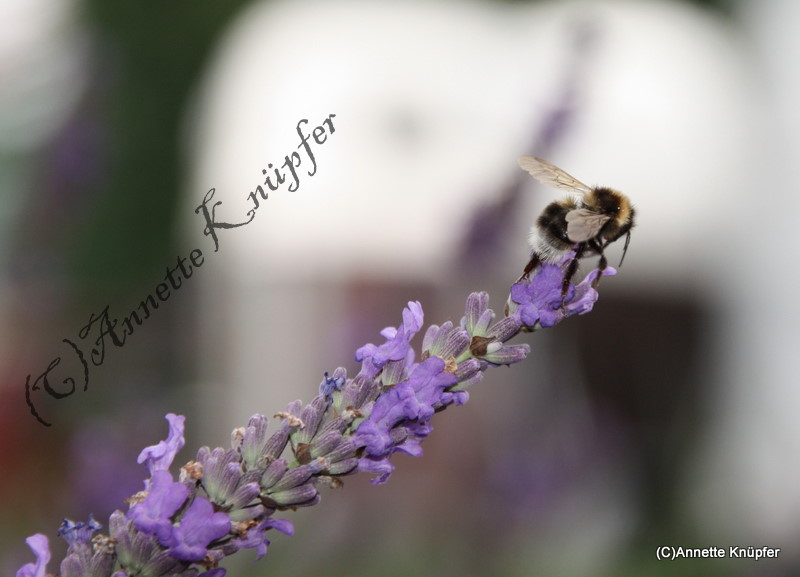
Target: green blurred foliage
156	52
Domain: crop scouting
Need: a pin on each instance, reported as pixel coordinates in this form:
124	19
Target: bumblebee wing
551	175
584	224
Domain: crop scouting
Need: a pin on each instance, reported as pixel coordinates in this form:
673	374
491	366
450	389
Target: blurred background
666	417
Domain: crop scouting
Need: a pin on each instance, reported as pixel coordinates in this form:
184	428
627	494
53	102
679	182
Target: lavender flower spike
226	499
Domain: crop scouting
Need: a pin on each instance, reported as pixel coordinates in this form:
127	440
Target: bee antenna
625	248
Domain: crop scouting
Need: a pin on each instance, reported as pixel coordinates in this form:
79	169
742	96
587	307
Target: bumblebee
587	221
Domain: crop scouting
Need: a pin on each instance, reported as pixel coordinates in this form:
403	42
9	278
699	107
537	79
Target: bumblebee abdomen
549	237
553	221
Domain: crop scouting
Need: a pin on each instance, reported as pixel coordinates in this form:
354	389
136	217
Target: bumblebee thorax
611	202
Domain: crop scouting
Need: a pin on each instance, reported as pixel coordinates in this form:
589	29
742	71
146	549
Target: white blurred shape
42	48
750	469
420	93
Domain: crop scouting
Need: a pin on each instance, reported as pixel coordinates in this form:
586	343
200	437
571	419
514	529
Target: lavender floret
153	514
199	526
41	550
159	457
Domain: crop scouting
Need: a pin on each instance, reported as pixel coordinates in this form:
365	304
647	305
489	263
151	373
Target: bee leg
601	266
625	248
532	264
570	272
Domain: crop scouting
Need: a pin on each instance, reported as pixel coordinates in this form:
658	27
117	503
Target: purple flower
218	572
429	379
487	339
407	438
381	467
396	347
41	550
538	300
255	538
79	533
445	341
222	474
330	385
391	407
86	557
411	403
285	486
585	296
199	526
249	441
414	432
154	514
159	457
477	314
311	417
137	552
256	449
499	354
